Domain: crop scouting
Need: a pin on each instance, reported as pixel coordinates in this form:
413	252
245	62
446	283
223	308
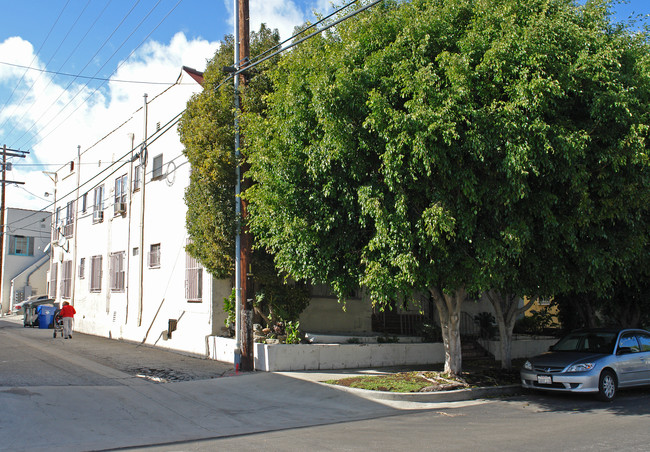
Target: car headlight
528	365
584	367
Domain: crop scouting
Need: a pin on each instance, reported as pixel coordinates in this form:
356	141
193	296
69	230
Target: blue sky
95	38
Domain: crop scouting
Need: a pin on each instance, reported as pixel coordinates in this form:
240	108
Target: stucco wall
326	315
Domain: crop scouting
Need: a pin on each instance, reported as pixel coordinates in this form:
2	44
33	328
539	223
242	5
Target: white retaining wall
283	357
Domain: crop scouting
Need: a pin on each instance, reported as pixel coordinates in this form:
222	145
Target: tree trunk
448	306
505	307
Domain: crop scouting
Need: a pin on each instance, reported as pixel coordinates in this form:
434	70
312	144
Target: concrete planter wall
521	348
283	357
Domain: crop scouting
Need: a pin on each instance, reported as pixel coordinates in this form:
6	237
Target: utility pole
5	153
244	290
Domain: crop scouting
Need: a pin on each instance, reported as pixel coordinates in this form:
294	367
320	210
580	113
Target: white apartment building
119	234
24	256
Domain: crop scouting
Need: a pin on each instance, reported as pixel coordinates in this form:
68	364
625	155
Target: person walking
67	314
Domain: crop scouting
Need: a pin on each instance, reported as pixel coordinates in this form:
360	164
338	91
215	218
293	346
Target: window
68	227
84	202
136	177
96	274
193	280
136	251
120	195
629	341
157	172
117	271
53	277
98	204
82	268
19	245
154	256
66	279
644	340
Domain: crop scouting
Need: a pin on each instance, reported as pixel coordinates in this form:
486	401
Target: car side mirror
624	351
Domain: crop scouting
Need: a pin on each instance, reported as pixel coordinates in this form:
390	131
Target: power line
34	58
114	71
176	118
309	36
304	30
46	64
86	65
85	77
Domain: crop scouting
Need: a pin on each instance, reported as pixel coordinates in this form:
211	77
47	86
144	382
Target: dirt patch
476	374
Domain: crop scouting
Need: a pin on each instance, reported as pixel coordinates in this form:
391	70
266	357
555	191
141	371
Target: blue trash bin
45	316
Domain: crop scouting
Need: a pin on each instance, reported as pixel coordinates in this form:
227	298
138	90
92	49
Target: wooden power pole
5	153
243	275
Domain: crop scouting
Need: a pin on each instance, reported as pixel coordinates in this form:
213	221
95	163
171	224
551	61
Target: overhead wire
82	69
34	58
315	24
170	124
36	79
114	71
81	40
86	77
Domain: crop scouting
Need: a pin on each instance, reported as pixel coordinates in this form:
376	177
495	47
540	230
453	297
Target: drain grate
160	375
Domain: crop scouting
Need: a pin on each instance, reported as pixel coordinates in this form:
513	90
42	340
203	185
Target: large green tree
207	131
455	147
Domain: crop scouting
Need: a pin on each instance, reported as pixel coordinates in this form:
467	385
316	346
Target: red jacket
68	311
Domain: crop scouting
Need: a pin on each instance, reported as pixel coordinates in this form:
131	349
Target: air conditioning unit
98	216
120	208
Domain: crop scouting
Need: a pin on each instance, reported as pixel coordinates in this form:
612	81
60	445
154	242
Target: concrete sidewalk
164	366
88	394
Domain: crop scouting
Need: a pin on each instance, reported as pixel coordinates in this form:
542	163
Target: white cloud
283	15
89	120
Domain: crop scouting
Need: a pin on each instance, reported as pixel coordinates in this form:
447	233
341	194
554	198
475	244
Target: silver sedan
594	360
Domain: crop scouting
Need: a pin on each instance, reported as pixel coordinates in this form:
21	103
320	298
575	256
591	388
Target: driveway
93	393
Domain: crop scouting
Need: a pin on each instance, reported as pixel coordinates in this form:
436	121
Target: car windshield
590	342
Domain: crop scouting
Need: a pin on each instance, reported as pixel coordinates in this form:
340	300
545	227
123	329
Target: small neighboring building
24	255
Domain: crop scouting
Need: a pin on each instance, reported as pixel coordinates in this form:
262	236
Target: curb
455	395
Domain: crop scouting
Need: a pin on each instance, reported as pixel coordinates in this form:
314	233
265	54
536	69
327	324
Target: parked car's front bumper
563	381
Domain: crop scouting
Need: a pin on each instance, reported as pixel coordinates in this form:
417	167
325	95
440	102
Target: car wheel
607	386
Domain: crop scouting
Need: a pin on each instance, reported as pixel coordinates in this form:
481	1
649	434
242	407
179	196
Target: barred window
66	279
137	177
53	278
154	256
68	227
193	280
96	274
117	271
120	195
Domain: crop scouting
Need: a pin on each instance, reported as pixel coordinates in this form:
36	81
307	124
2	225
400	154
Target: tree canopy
457	146
207	131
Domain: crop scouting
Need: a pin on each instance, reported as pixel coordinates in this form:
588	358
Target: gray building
24	256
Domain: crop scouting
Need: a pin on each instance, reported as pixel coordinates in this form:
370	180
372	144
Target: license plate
544	379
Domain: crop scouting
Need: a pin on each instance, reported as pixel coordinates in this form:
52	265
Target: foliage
536	323
430	332
292	330
229	307
457	147
206	130
279	299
